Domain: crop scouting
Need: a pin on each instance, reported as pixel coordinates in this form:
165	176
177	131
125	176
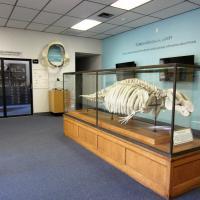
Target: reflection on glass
187	125
134	102
137	105
75	86
17	87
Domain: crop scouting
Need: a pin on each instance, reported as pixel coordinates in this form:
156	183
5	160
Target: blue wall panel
175	36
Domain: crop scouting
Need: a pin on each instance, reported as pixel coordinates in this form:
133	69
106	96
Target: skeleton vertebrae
131	96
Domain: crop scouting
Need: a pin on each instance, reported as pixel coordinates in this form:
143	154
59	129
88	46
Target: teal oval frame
56	53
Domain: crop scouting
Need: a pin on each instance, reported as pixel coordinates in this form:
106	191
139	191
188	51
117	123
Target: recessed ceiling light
86	24
128	4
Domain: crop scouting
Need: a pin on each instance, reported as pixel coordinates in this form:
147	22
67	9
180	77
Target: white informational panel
183	136
40	79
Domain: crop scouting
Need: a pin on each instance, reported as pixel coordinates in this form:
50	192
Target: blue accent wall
175	36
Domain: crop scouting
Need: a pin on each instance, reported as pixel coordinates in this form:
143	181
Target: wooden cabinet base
169	177
56	101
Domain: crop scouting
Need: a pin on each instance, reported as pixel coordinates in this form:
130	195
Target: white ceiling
57	16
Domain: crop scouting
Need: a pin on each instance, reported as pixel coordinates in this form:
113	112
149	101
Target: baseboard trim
42	114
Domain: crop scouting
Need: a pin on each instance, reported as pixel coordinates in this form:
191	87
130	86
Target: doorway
15	87
85	62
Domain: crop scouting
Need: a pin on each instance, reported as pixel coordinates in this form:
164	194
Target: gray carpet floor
38	163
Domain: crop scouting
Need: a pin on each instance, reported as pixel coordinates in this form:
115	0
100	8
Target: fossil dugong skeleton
132	96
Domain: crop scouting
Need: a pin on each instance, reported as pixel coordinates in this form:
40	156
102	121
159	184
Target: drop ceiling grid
79	8
2	22
57	16
11	2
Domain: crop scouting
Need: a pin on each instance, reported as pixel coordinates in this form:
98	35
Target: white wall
31	43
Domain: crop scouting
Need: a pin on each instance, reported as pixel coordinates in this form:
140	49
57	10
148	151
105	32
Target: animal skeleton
132	96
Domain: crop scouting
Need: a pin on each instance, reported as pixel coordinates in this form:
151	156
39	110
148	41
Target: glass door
17	84
1	91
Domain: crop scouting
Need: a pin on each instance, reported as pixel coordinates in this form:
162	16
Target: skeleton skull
182	103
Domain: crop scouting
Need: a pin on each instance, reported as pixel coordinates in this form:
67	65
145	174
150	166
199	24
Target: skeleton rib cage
132	96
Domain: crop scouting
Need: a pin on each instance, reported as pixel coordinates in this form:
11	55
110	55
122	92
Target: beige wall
31	43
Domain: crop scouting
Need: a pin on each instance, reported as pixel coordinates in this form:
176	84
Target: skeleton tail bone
101	94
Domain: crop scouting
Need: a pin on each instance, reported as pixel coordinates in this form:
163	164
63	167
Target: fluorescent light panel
129	4
86	24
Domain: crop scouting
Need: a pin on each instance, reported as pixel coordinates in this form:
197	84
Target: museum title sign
168	38
159	44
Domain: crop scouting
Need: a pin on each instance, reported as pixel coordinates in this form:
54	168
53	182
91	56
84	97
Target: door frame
2	59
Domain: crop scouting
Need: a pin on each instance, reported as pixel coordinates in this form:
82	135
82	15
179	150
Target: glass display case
157	107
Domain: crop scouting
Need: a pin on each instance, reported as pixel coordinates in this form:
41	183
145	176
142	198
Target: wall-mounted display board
40	79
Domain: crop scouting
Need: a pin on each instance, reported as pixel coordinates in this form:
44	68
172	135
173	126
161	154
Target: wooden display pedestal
56	101
140	132
169	177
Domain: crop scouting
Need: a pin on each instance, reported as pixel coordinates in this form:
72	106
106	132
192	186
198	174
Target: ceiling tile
142	21
85	9
111	10
35	4
2	21
156	5
107	2
37	27
55	29
12	2
87	34
102	27
125	18
101	36
117	30
175	10
61	6
195	1
67	21
46	18
72	32
24	14
17	24
5	10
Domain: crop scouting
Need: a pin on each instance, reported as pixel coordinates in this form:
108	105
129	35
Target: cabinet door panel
112	150
142	165
88	136
70	129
